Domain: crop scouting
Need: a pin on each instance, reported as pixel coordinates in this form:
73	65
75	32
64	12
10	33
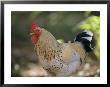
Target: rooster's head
35	32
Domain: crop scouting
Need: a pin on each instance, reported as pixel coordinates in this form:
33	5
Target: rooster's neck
47	40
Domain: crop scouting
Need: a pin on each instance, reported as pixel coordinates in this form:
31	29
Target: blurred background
64	25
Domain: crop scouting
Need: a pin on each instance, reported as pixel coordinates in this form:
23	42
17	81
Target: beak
31	33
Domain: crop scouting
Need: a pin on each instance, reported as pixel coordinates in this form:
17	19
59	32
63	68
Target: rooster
60	59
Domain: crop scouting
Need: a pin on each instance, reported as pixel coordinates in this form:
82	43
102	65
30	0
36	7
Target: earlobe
34	39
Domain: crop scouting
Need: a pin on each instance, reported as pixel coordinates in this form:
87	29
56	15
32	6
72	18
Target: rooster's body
59	59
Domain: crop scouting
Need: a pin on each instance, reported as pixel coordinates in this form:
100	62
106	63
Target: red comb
33	26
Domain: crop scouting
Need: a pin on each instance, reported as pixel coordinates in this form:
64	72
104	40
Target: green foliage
93	23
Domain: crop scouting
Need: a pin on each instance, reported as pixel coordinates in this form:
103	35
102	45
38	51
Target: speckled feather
58	59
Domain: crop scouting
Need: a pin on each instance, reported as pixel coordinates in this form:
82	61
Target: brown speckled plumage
58	59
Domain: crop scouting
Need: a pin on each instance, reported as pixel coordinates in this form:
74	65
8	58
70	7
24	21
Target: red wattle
34	39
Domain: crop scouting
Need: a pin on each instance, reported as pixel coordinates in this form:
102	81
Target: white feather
89	32
88	38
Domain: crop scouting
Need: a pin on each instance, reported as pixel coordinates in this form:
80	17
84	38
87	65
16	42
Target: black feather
86	43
